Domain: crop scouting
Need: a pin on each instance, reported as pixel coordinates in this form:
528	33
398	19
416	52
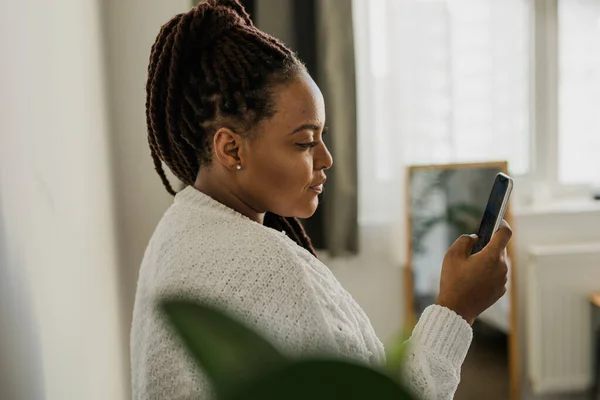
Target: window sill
571	206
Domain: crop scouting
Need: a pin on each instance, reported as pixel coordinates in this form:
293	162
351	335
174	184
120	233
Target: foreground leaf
396	352
230	354
324	380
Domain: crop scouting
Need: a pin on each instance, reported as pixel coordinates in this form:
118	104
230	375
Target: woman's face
284	163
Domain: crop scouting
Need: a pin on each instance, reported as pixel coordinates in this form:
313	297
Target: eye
307	145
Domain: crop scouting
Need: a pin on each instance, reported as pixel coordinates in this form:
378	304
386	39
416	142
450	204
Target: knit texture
436	352
204	250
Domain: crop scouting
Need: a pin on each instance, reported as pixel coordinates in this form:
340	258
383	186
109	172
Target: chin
307	211
304	215
303	209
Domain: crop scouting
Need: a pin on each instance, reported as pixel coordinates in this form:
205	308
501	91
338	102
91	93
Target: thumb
462	246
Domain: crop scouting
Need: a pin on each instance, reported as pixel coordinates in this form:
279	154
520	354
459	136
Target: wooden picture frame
409	301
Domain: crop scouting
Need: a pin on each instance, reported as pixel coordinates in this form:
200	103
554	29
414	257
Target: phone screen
492	212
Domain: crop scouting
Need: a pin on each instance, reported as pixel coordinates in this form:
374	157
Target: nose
322	158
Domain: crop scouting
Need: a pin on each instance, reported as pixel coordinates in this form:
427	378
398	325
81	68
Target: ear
227	146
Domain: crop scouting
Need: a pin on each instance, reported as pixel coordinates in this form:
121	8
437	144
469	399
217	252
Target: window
439	81
446	81
579	91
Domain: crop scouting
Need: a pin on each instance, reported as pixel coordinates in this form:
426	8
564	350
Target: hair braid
159	107
154	55
236	7
292	227
184	152
245	67
234	67
209	67
302	236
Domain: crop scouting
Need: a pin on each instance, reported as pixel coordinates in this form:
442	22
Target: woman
235	116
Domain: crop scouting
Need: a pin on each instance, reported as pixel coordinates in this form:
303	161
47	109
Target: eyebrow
306	127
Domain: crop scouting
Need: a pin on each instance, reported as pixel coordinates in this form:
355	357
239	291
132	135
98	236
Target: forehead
297	103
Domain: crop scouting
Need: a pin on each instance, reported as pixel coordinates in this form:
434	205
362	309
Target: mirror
445	201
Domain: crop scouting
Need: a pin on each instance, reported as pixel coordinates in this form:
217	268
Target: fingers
462	246
500	239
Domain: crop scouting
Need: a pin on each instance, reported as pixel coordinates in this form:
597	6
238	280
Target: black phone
494	211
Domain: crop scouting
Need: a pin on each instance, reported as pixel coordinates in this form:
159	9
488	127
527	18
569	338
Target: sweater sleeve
435	353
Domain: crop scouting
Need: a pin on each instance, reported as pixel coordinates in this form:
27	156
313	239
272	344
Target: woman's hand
470	284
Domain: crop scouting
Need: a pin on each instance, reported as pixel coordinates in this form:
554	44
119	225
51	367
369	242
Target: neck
219	189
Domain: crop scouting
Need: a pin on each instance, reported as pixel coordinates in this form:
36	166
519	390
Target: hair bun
212	18
232	5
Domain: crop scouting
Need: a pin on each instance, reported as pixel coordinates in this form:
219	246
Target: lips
319	182
317	188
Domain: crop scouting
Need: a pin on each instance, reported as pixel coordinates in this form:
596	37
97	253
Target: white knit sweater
210	252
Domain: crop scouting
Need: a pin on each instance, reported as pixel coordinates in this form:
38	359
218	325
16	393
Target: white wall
130	28
57	214
78	194
20	356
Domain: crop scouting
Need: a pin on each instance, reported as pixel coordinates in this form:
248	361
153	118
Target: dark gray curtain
336	77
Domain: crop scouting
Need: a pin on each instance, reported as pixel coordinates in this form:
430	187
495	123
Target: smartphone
494	211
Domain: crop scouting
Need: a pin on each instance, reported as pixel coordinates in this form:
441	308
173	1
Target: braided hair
208	68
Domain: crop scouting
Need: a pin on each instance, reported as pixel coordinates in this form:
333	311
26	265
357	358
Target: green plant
242	365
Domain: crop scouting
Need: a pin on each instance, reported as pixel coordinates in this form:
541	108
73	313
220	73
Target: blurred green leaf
396	352
230	354
325	380
242	365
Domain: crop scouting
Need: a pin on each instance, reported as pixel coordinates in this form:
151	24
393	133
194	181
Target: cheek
292	171
279	182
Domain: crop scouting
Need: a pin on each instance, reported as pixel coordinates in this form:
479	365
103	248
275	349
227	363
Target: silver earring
238	167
